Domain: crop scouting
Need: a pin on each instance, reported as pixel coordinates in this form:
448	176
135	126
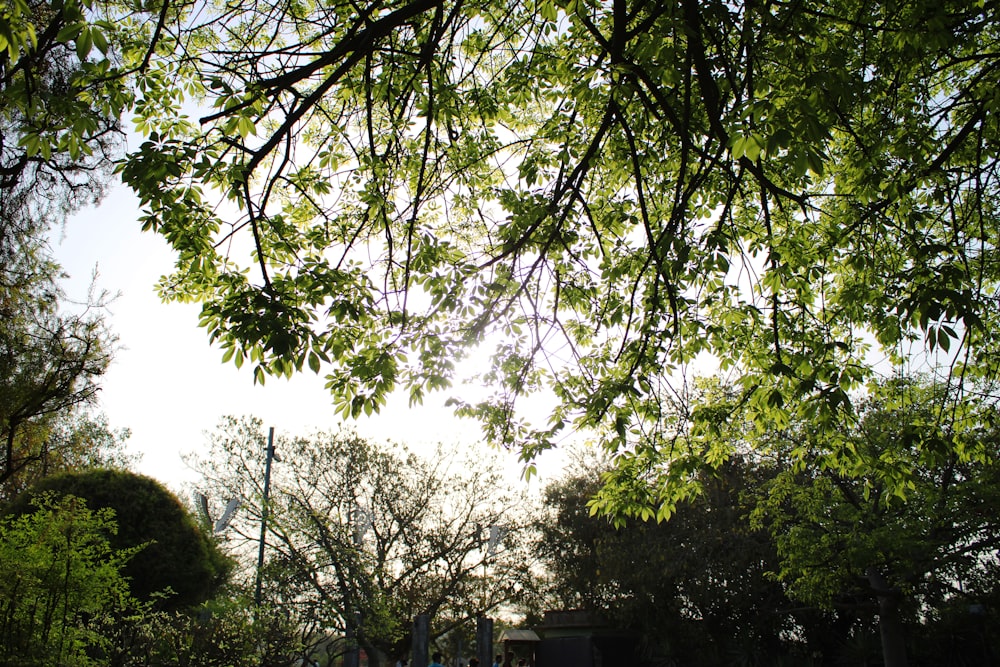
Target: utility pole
263	516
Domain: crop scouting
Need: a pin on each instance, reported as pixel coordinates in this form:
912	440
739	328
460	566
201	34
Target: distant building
578	638
522	643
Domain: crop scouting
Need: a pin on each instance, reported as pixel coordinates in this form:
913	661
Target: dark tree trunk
890	623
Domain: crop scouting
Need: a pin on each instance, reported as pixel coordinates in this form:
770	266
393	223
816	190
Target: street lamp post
263	515
360	520
484	624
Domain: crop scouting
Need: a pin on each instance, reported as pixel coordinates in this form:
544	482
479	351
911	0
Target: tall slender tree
50	365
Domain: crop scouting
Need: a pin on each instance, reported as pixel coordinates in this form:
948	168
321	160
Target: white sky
168	386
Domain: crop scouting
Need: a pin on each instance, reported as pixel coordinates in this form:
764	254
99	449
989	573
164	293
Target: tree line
770	563
776	562
106	567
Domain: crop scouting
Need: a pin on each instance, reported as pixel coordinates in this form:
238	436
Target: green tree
58	134
598	192
65	72
904	525
176	565
364	537
698	587
59	574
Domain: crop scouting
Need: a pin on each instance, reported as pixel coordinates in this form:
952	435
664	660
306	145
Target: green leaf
70	32
245	126
84	43
100	40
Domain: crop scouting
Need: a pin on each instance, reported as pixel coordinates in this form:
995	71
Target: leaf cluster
905	491
60	573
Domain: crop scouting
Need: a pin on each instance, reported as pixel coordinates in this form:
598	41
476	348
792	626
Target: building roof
518	636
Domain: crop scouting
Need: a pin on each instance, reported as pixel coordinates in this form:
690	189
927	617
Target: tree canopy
176	565
601	193
697	588
60	107
907	526
883	526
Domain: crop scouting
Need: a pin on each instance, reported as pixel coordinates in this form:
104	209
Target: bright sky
169	386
